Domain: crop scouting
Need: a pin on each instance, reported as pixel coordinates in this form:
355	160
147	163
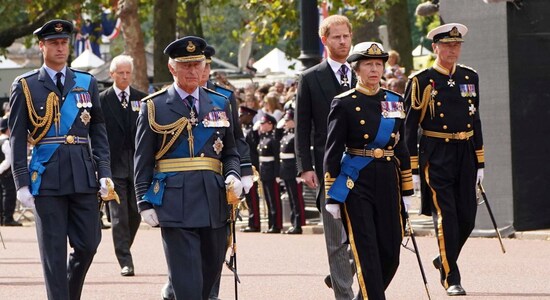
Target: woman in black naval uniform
369	182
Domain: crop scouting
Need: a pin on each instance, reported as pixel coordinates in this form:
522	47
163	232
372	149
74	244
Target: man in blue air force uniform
57	110
185	155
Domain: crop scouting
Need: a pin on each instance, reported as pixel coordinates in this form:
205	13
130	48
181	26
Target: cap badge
190	47
454	32
374	50
58	27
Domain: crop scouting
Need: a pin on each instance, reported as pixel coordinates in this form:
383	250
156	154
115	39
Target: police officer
288	173
246	115
57	109
444	103
268	150
185	155
366	186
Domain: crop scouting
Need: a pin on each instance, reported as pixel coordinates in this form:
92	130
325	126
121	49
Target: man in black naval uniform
288	172
57	109
444	103
252	138
268	151
120	105
185	156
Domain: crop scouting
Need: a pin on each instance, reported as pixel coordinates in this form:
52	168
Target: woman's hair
272	100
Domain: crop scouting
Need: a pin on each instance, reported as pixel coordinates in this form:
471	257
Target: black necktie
58	83
191	104
123	100
344	77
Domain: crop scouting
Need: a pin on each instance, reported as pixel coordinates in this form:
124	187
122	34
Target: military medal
392	109
218	146
192	118
135	105
349	183
472	109
216	118
85	117
451	82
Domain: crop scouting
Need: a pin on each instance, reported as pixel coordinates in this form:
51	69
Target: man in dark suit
66	126
185	155
316	89
120	105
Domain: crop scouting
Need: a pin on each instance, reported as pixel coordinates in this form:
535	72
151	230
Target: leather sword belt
287	155
463	135
266	158
376	153
189	164
67	139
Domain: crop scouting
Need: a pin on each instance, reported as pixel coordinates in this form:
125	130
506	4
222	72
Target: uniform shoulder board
417	73
153	95
346	93
392	92
223	88
213	92
80	71
468	68
25	75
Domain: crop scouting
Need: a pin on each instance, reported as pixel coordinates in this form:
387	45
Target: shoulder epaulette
418	73
213	92
346	93
153	95
468	68
25	75
223	87
80	71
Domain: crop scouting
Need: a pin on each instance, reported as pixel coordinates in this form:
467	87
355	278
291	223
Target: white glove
237	184
479	176
416	182
103	190
299	180
25	197
407	200
150	217
334	210
278	180
247	182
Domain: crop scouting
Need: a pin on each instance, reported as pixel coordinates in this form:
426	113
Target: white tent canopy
87	60
421	51
6	63
276	62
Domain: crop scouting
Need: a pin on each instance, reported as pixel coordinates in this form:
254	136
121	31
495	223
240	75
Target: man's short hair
324	27
119	60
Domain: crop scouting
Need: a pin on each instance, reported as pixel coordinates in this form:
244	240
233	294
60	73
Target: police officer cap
244	110
452	32
55	29
367	50
3	124
186	49
268	118
209	51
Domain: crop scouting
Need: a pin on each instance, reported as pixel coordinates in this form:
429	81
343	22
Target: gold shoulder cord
52	113
422	104
175	129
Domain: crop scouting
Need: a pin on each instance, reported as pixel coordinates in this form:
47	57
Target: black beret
55	29
268	118
245	110
186	49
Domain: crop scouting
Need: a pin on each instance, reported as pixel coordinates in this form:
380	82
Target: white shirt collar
118	91
51	72
335	66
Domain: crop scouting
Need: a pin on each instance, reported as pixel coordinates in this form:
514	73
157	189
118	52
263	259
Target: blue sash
201	134
42	153
351	166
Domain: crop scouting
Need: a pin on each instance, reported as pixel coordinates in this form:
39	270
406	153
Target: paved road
284	267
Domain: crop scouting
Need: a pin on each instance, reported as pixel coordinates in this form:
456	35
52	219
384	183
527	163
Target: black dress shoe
250	229
104	226
294	230
167	292
273	230
456	290
127	271
12	223
437	264
328	281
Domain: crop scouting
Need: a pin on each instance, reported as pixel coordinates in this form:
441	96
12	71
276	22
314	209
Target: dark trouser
9	198
57	217
296	200
194	271
273	201
374	225
450	176
253	203
125	220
